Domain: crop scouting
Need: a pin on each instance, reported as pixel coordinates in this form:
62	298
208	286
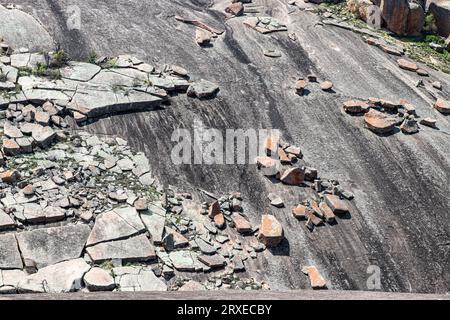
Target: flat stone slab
9	253
137	279
80	71
6	222
214	261
183	260
154	223
52	245
98	103
98	279
137	248
116	224
11	278
58	278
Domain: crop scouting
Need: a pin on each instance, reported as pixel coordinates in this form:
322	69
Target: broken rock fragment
442	106
202	89
407	65
409	126
137	279
315	278
98	279
293	176
214	261
58	278
299	211
235	9
265	24
356	107
336	204
327	212
202	37
270	231
326	85
267	165
429	122
241	224
300	86
379	122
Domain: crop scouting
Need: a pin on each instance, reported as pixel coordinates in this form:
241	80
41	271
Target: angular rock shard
315	278
270	231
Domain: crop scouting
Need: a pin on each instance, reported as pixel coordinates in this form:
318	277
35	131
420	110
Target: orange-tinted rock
214	209
219	220
28	190
235	9
327	212
442	106
11	147
300	211
336	204
354	106
315	208
300	85
283	156
79	117
294	150
268	166
407	65
202	37
315	278
422	72
9	176
270	231
271	145
429	122
312	218
379	122
241	224
326	85
294	176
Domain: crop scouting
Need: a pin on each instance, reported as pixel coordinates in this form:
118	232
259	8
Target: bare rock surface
58	278
9	253
52	245
137	279
383	173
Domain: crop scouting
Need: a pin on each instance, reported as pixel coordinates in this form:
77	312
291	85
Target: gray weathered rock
192	285
58	278
154	221
98	279
9	253
5	221
183	260
137	248
53	245
137	279
203	89
80	71
115	224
